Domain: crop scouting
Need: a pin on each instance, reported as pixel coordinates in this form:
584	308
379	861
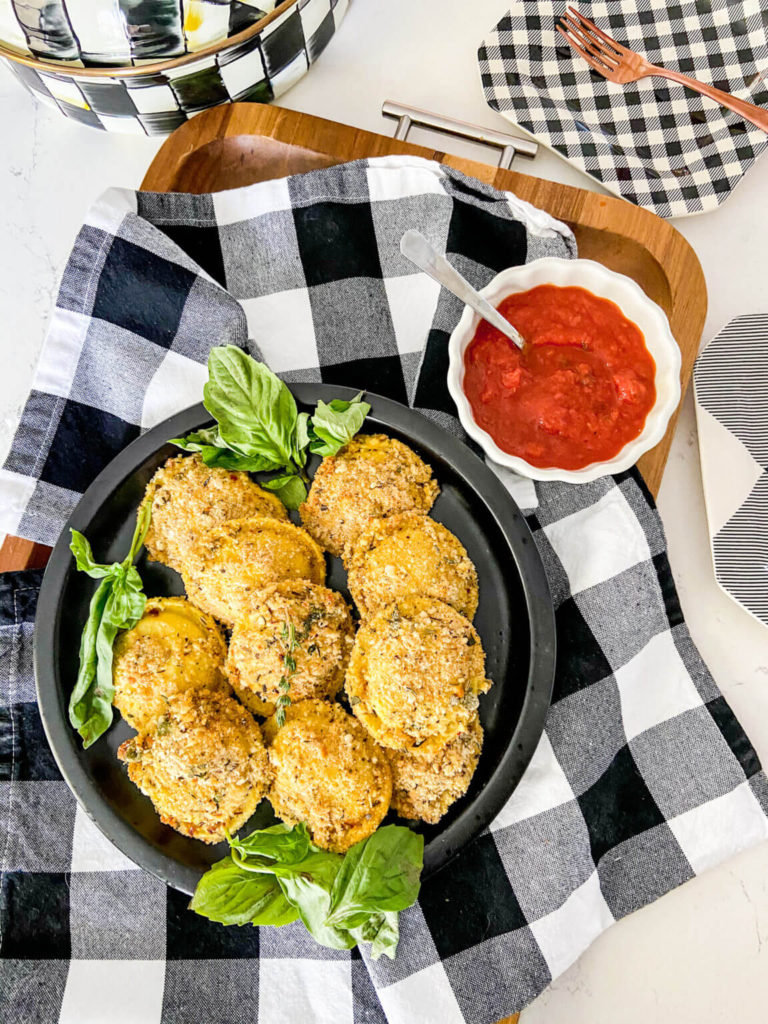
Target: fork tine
594	46
590	26
603	69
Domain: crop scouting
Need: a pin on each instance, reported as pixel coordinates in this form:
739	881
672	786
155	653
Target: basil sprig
277	875
335	424
260	430
117	604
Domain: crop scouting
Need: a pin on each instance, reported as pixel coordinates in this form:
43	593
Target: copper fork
619	64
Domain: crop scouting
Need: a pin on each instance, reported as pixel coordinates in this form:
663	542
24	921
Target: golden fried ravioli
203	764
189	498
415	672
327	773
172	648
296	620
425	787
231	563
410	553
373	475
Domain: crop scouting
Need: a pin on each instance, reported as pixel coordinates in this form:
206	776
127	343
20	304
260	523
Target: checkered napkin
653	142
643	779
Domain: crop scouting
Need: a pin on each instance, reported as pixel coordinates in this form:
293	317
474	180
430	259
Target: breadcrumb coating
412	673
415	673
172	648
410	553
328	773
374	475
232	563
203	765
425	787
322	634
189	498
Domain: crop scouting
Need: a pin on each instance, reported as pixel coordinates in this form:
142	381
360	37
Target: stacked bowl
146	66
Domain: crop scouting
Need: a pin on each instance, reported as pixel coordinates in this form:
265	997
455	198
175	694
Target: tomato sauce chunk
578	392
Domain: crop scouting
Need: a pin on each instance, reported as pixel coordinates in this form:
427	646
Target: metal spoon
415	247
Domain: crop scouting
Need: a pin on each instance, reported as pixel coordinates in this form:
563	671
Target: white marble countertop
701	952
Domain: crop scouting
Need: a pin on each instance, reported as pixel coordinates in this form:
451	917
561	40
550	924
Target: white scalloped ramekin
634	304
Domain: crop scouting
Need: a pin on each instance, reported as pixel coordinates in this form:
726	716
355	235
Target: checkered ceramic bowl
128	72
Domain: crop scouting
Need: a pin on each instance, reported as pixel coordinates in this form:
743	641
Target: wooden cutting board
240	143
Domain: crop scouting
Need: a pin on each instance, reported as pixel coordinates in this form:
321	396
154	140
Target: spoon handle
415	247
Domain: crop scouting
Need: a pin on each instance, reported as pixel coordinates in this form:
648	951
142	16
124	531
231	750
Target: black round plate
515	620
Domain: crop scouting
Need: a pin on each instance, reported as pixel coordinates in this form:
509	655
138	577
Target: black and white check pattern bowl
257	64
88	33
652	142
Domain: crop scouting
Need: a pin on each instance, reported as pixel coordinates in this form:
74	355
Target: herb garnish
290	642
277	875
117	604
259	429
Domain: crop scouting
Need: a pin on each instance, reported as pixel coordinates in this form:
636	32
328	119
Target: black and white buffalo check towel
643	779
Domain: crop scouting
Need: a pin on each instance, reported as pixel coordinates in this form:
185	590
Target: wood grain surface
239	144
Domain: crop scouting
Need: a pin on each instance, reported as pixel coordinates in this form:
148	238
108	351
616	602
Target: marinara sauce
577	393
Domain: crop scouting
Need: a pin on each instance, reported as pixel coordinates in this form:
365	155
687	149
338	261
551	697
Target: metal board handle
510	145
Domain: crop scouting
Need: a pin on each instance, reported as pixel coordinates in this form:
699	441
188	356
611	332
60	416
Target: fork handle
749	111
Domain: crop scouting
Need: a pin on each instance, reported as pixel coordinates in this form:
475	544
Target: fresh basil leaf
301	442
259	428
307	885
277	482
79	702
98	699
336	423
125	606
229	895
289	488
84	559
113	607
382	931
143	517
280	842
215	453
381	873
311	901
275	875
225	458
117	604
321	866
208	437
386	938
317	864
190	443
255	411
122	610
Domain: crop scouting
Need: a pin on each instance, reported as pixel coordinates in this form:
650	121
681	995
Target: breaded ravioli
415	672
172	648
425	787
298	620
189	498
203	764
230	564
327	773
372	476
410	553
